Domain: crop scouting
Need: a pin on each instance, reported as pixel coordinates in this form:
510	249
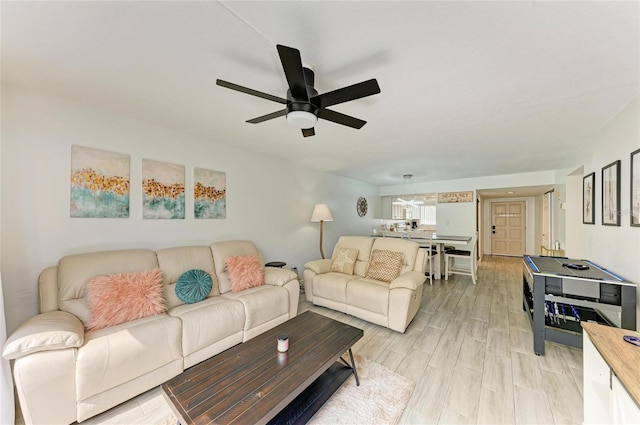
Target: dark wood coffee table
253	383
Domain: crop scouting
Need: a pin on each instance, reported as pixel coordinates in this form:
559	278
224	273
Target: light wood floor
469	350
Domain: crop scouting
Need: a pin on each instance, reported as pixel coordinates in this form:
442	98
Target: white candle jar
283	343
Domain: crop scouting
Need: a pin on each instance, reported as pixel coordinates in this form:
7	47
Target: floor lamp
321	214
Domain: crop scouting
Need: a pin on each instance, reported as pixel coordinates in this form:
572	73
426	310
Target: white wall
269	201
615	248
7	412
574	230
456	218
559	197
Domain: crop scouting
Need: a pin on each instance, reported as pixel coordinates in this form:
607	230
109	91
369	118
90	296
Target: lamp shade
321	213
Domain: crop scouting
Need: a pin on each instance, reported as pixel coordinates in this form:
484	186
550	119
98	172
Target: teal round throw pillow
193	286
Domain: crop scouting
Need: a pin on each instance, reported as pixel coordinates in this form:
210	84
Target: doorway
508	228
547	219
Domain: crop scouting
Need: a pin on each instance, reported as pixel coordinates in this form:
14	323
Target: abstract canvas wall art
209	193
99	183
162	190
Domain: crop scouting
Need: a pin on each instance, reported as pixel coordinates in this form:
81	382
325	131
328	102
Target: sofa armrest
277	276
410	280
53	330
319	266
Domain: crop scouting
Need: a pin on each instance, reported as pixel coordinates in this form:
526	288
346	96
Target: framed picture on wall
162	190
635	188
588	199
99	183
611	194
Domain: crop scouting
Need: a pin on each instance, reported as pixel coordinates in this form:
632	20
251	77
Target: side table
551	251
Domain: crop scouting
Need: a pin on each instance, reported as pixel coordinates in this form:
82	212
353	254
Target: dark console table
559	292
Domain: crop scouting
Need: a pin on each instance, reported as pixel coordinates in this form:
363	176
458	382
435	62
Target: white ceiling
468	88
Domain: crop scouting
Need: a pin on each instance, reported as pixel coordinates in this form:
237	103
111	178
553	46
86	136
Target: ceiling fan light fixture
302	119
410	202
408	189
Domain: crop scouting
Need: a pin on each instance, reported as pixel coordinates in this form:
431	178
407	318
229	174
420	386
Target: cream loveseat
383	287
65	374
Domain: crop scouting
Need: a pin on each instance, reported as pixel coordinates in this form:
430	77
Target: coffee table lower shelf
308	402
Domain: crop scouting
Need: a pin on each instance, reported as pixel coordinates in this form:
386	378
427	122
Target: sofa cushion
385	265
208	322
193	286
343	260
278	276
370	295
363	245
123	297
53	330
119	354
245	272
319	266
331	286
408	248
261	304
222	250
75	270
174	262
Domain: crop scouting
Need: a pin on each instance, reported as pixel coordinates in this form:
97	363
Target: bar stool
430	254
452	254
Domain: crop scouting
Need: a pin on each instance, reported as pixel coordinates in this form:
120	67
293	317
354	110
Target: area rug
380	398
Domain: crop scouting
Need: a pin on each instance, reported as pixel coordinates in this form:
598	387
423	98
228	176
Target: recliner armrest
278	276
319	266
53	330
410	280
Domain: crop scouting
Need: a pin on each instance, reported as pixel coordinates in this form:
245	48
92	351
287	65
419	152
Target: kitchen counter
622	357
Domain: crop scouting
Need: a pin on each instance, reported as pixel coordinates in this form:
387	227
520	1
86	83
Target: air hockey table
559	293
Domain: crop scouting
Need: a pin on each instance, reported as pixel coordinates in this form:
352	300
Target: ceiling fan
303	103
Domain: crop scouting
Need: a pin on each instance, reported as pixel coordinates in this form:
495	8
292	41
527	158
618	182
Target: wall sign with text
454	197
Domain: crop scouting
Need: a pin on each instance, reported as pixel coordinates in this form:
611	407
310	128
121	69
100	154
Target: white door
508	228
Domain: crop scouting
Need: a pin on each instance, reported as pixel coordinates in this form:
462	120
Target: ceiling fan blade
306	132
252	92
268	117
292	66
339	118
345	94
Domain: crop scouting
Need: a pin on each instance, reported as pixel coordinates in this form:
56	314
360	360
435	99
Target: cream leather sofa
65	374
391	304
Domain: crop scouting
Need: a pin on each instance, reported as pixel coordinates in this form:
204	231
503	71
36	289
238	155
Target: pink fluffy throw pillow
122	297
245	272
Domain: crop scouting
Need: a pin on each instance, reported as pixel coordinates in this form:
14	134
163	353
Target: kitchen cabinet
611	378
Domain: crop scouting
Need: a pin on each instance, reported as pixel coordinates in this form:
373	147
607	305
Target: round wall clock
361	206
